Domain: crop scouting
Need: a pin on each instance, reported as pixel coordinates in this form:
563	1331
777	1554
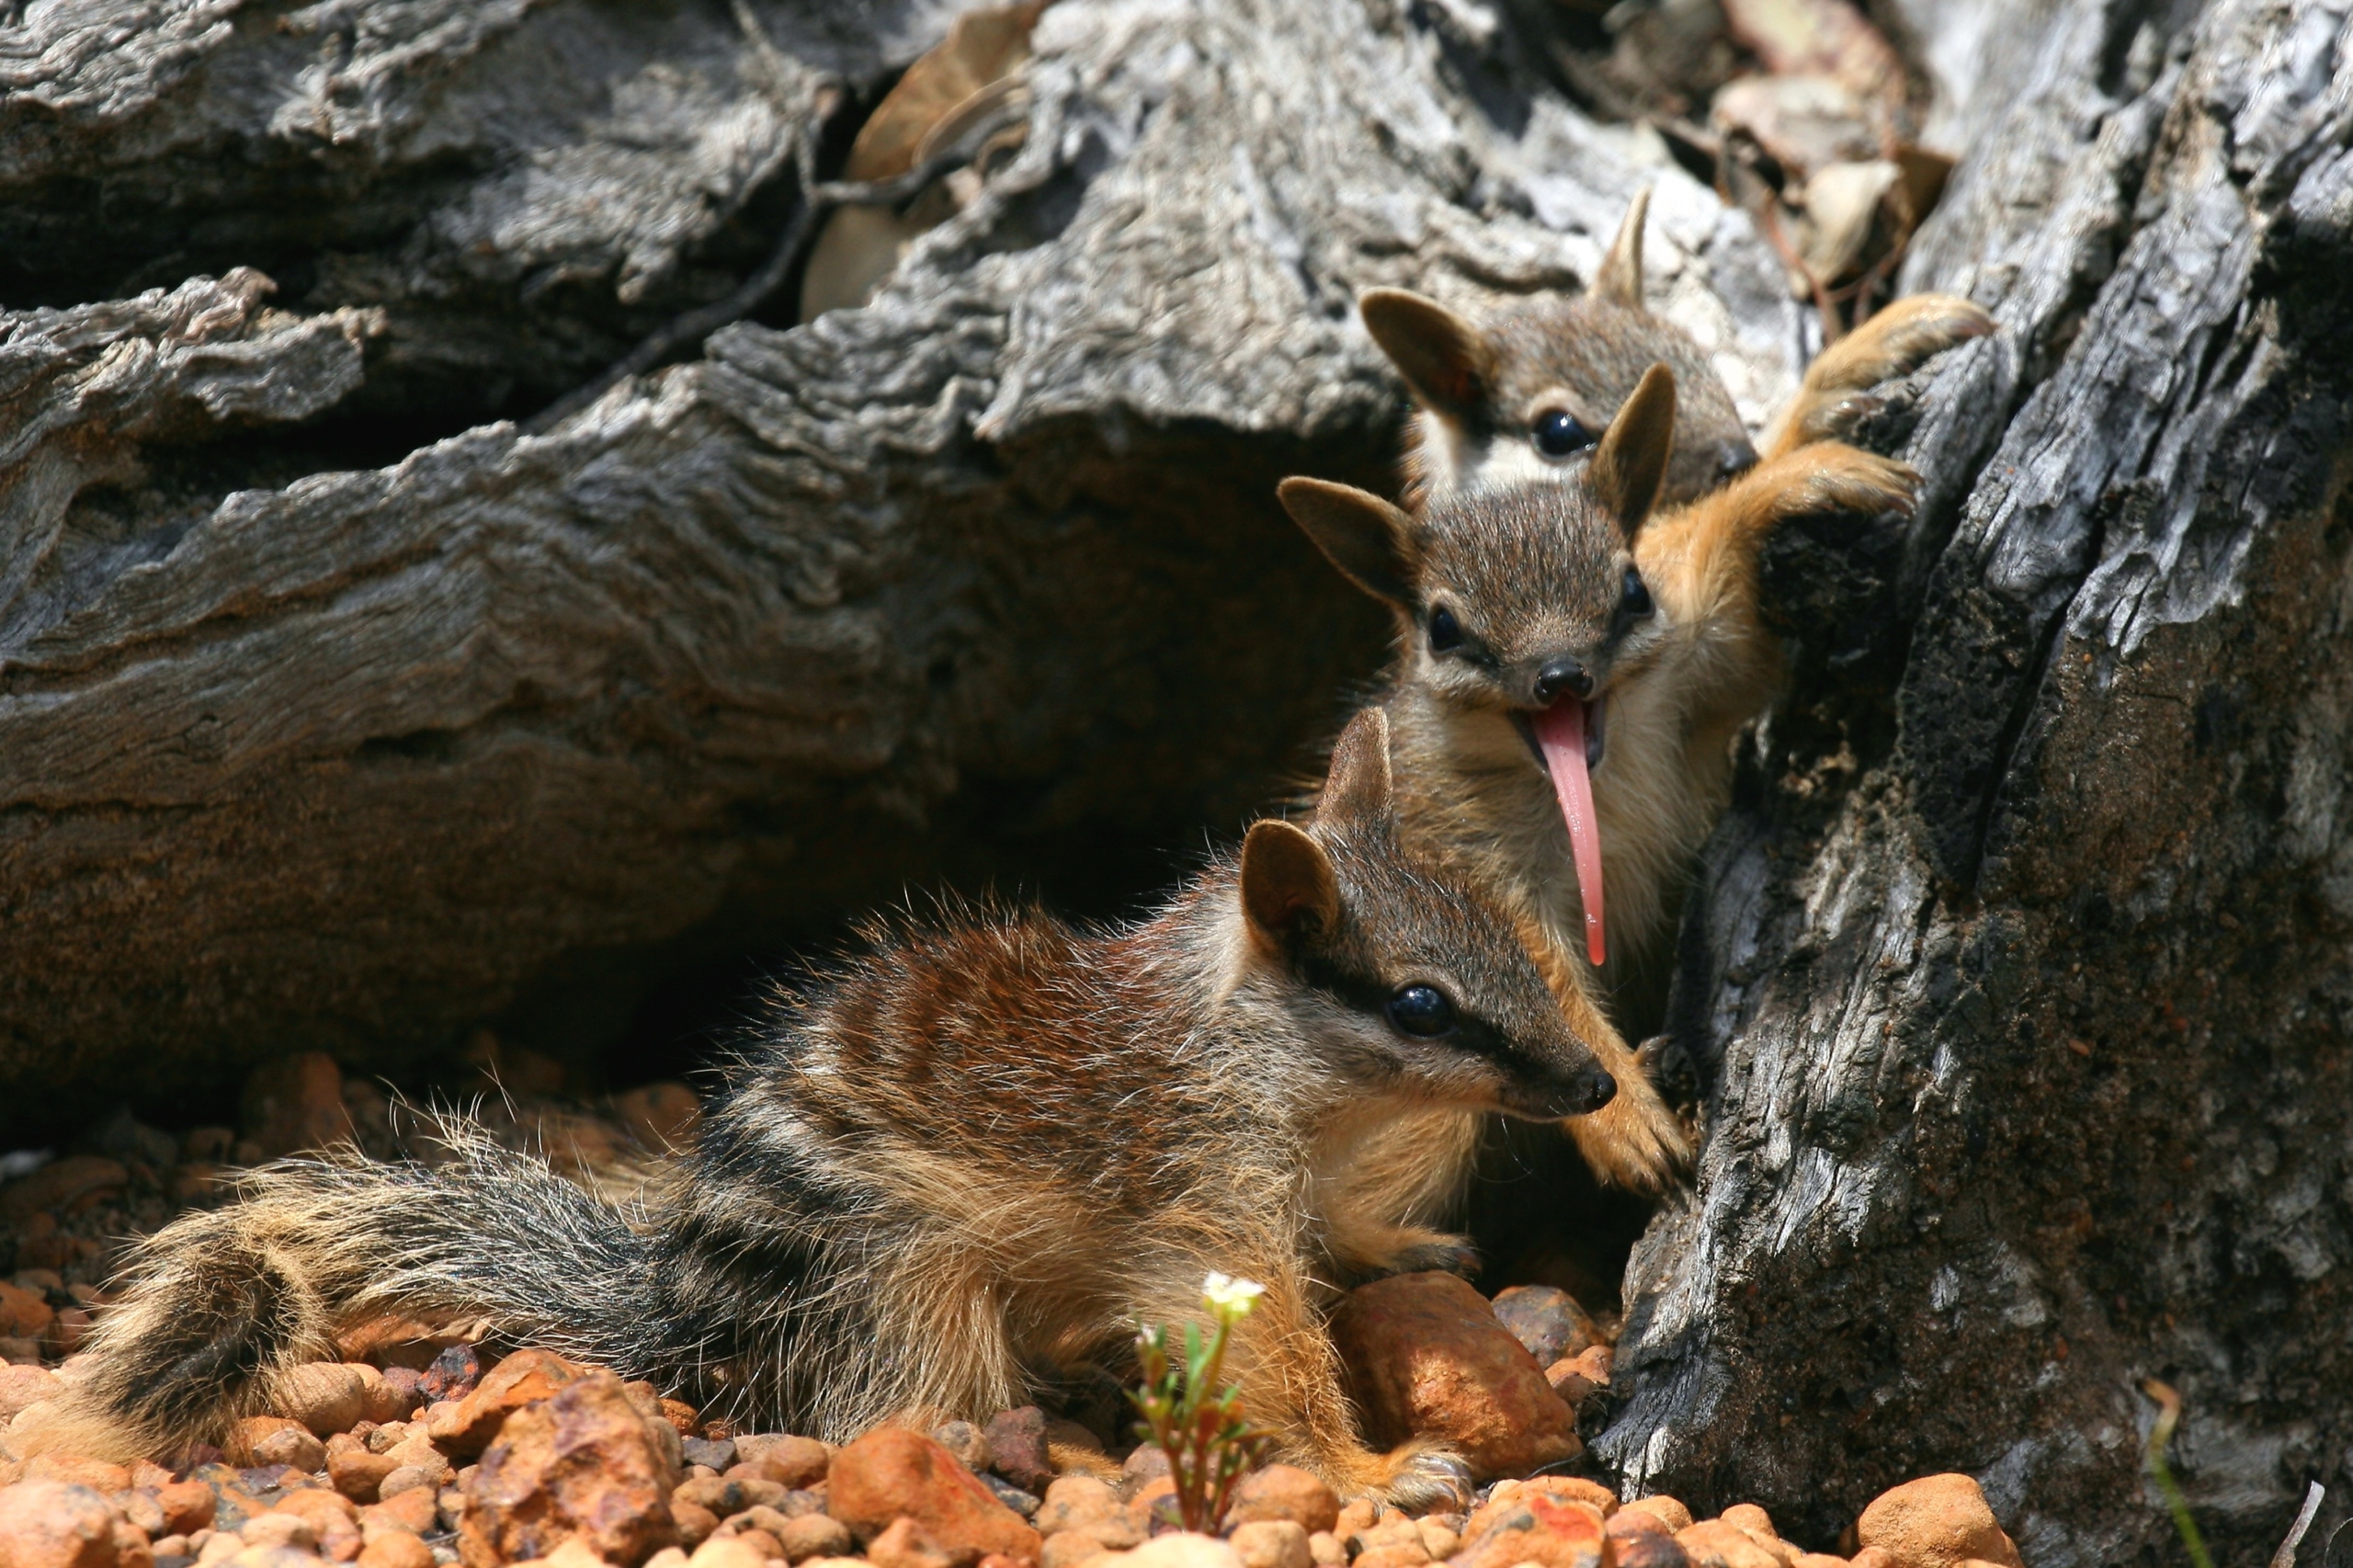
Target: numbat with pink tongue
1571	671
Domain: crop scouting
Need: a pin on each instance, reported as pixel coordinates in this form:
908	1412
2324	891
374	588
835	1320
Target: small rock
23	1387
359	1476
1437	1540
695	1522
296	1103
23	1314
1665	1509
79	1470
1750	1518
1154	1505
1938	1521
905	1545
411	1511
66	1332
1427	1357
1283	1492
583	1462
1327	1550
1082	1505
729	1494
1872	1557
1012	1497
703	1451
49	1524
1147	1463
1577	1378
967	1442
890	1473
326	1396
290	1530
1271	1543
58	1184
815	1535
1068	1549
463	1428
684	1418
1534	1527
795	1462
1016	1441
396	1549
726	1552
452	1375
187	1506
1181	1549
1819	1559
1652	1549
1547	1319
1712	1543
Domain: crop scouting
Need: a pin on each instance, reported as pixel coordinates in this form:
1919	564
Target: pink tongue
1560	732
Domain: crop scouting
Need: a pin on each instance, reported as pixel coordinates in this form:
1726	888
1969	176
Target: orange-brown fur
946	1176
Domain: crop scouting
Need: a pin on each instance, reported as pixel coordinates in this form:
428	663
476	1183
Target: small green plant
1196	1424
2169	1416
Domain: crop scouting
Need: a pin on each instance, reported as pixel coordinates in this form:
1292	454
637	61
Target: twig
822	197
2168	1413
2286	1556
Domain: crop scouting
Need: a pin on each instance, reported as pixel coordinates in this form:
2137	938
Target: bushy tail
217	1307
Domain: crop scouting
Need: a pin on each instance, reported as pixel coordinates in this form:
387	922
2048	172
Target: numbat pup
1545	628
1525	395
949	1170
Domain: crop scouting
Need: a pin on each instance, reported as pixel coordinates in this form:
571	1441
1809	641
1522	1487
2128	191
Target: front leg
1893	343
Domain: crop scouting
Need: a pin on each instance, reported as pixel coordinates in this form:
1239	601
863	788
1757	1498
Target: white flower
1226	1295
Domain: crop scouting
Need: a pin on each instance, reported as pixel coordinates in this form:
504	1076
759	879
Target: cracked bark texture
330	716
2020	970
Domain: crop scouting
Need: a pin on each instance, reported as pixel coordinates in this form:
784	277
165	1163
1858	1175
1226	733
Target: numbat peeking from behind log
1548	630
1526	393
974	1159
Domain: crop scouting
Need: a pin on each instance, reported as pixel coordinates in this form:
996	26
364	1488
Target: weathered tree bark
2021	968
985	579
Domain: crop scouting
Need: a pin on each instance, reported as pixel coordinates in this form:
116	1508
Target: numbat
1525	394
947	1172
1557	636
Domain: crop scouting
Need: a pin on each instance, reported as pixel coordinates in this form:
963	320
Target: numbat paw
1634	1140
1897	341
1452	1255
1827	477
1431	1481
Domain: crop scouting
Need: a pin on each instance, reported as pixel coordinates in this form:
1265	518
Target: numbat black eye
1635	599
1422	1010
1444	632
1557	432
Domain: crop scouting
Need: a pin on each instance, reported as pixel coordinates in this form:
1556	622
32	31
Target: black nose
1735	457
1560	676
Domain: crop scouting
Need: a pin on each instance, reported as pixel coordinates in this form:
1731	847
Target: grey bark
983	579
2021	966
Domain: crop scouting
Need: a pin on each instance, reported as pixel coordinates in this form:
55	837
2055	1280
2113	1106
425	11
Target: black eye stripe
1559	433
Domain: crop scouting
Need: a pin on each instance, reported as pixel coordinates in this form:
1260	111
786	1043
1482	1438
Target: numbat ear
1620	278
1369	541
1356	787
1632	458
1287	887
1444	358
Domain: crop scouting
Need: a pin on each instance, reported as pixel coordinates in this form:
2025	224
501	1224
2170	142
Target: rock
695	1522
1017	1440
59	1184
187	1506
583	1462
1576	1378
293	1447
905	1545
661	1117
23	1387
292	1531
1938	1521
410	1511
815	1535
78	1470
243	1446
1750	1518
51	1524
23	1314
1665	1509
1440	1539
1181	1549
326	1396
67	1330
1283	1491
791	1462
1082	1505
1819	1559
1271	1543
1547	1319
452	1375
396	1549
1650	1549
1146	1463
1427	1357
729	1494
1872	1557
1535	1526
1022	1503
726	1552
1327	1550
384	1398
1712	1543
296	1103
359	1476
890	1473
684	1418
465	1427
1068	1549
1394	1543
967	1442
711	1453
1152	1505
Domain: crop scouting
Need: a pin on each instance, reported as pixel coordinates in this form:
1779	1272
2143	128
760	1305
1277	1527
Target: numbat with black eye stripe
1571	670
947	1175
